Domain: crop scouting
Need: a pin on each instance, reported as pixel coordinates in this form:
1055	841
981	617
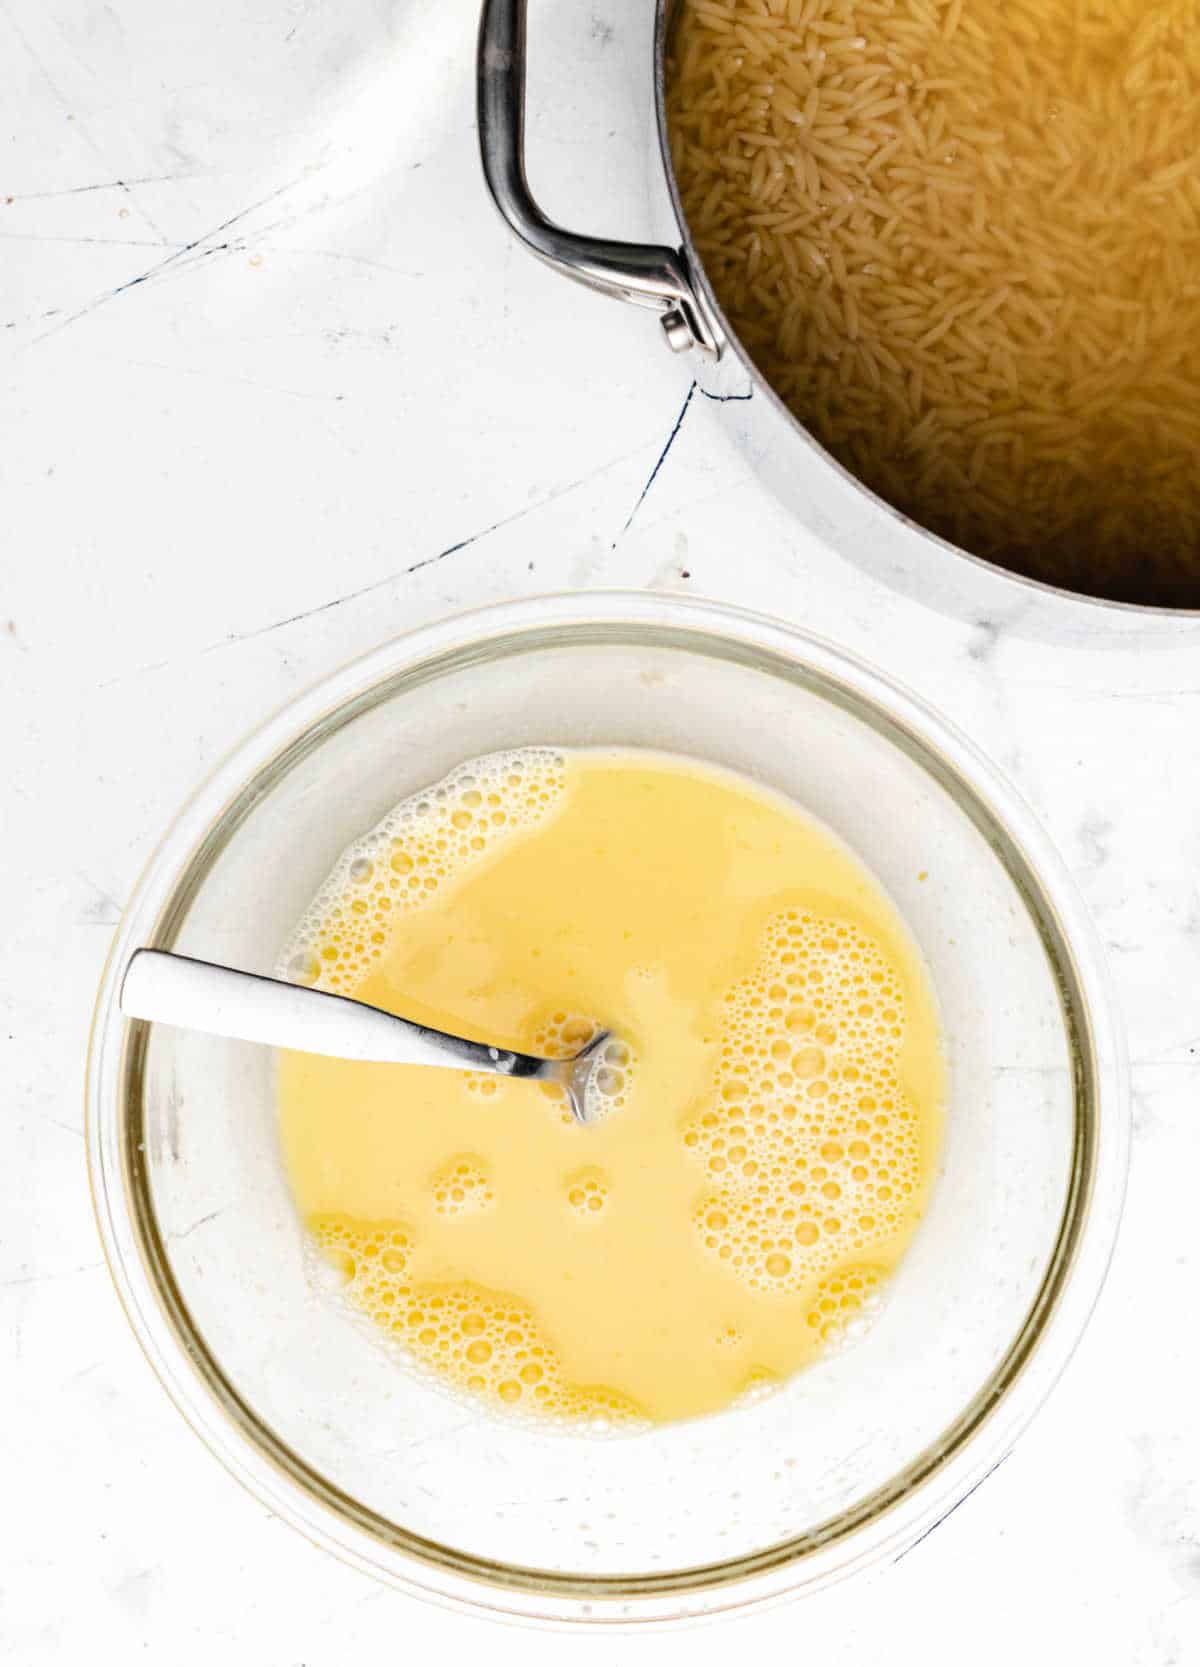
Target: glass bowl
853	1459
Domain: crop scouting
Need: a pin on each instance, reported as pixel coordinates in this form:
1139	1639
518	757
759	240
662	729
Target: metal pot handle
647	274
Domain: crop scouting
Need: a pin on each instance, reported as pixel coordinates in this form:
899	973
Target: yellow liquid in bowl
771	1137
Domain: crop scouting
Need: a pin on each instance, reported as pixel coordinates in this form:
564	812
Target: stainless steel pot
669	279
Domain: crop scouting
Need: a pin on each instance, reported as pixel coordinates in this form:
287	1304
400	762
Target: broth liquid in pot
961	238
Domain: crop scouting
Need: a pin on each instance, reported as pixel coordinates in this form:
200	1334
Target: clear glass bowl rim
878	1528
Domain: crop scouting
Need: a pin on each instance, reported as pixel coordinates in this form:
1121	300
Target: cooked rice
961	238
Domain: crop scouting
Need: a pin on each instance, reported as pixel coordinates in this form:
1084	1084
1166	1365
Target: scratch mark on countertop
380	584
67	1128
104	242
285	222
1150	697
101	185
411	1447
203	1221
426	561
662	458
44	1278
64	104
342	254
139	671
197	244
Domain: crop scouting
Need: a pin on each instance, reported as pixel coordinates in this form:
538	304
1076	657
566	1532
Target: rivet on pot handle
647	274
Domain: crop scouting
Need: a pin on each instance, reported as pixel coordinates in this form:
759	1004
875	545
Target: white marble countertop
276	386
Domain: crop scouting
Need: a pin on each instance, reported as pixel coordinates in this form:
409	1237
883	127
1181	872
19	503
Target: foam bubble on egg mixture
428	840
484	1342
809	1143
607	1085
